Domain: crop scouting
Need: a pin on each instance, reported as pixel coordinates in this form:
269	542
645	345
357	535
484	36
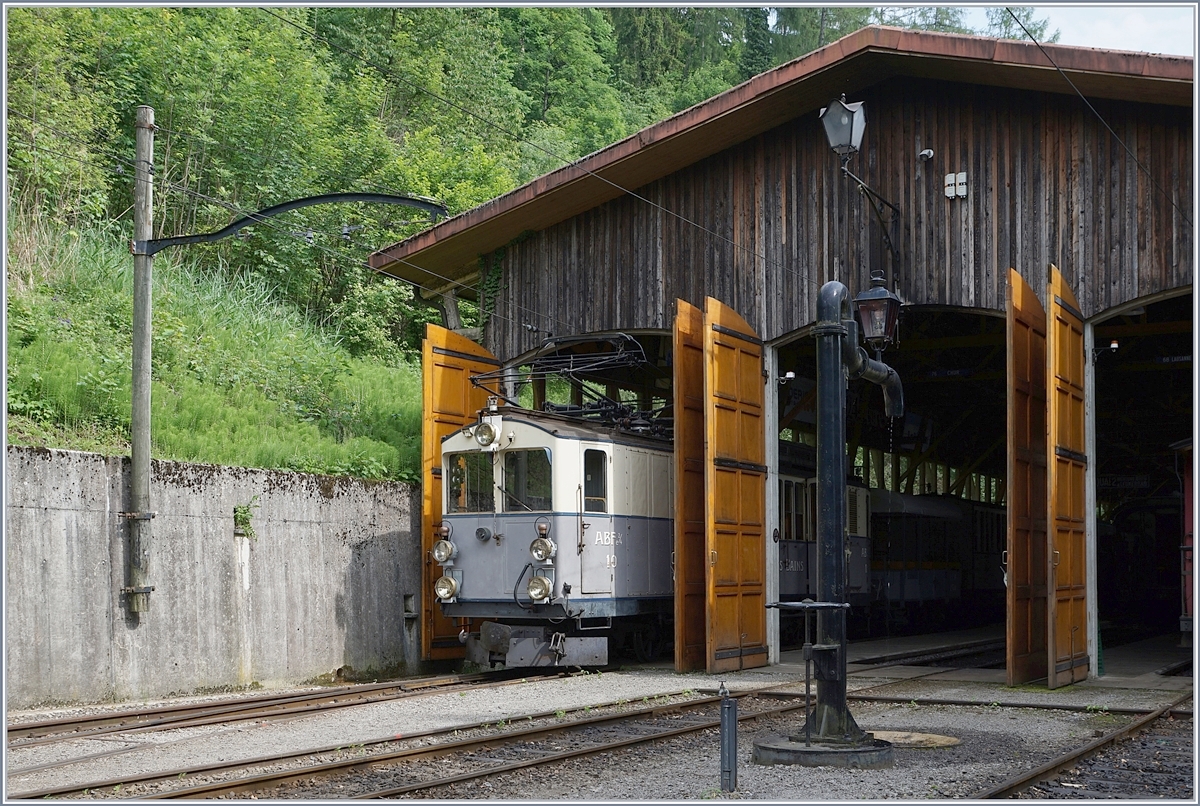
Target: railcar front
556	537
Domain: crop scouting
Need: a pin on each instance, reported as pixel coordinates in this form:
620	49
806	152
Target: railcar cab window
527	481
471	484
595	481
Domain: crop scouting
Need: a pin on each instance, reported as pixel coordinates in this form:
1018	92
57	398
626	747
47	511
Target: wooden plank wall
762	226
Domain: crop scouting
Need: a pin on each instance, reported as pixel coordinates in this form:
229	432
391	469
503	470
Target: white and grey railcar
556	535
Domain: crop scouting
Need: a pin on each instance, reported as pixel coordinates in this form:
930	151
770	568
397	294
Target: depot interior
936	479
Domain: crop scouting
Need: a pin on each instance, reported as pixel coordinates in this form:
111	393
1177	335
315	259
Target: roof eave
869	56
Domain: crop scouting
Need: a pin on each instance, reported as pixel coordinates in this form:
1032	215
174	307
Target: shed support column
1089	527
771	458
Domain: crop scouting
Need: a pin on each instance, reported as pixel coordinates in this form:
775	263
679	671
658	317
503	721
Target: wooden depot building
1033	209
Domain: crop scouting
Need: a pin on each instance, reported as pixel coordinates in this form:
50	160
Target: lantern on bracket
878	309
844	125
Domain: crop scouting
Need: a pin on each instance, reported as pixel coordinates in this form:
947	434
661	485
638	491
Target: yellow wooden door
1026	553
1066	463
689	554
449	401
735	482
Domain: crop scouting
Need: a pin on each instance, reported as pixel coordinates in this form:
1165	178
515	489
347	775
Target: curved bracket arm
155	245
876	208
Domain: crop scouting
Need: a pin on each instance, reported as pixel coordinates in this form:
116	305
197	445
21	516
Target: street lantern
844	124
878	309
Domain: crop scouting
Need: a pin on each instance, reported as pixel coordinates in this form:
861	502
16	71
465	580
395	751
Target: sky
1153	28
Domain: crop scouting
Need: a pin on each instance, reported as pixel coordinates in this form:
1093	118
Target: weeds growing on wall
238	378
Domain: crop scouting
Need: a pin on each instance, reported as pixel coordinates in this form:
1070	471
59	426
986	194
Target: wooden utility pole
137	594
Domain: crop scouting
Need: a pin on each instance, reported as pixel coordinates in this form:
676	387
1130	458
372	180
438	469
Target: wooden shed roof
447	254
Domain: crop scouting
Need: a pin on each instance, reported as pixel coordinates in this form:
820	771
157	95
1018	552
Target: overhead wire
1100	117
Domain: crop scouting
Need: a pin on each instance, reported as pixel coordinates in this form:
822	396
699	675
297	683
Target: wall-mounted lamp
925	154
785	377
844	125
1099	351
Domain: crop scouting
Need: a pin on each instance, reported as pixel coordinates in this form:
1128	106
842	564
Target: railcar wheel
647	643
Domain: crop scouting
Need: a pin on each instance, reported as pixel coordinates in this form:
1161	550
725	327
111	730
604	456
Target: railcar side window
527	481
470	483
789	515
595	481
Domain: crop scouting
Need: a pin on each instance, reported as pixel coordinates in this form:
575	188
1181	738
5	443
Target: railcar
797	531
935	560
913	562
556	537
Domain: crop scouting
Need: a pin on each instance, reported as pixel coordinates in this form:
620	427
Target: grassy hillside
238	378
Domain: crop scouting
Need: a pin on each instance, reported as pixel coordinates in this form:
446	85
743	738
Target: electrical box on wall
956	185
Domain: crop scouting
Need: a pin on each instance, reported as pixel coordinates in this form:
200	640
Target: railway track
455	761
1152	757
260	708
399	766
311	761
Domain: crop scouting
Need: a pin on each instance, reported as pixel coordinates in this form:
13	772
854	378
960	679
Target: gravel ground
166	750
995	742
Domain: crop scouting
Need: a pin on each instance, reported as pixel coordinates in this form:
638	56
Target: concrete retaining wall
322	586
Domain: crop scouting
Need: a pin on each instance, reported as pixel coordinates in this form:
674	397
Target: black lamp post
831	736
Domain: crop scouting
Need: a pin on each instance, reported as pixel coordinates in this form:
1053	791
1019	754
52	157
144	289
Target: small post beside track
729	721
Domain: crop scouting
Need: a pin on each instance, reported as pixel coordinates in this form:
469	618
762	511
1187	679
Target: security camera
925	155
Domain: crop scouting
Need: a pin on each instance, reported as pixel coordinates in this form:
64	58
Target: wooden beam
1142	329
935	444
965	473
954	342
808	401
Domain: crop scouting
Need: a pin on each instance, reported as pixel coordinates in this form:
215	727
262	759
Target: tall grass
238	378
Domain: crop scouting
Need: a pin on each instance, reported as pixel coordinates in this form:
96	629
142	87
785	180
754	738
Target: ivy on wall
490	285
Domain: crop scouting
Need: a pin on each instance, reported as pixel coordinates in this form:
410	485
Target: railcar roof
447	254
568	427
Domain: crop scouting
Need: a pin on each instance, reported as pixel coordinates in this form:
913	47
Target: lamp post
831	736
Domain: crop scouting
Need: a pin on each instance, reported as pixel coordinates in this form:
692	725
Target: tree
925	18
798	31
1001	24
650	44
558	65
756	56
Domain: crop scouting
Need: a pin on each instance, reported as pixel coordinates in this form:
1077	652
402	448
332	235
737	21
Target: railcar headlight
444	550
542	549
445	588
539	588
485	434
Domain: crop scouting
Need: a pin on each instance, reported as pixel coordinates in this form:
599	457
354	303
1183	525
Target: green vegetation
283	349
238	378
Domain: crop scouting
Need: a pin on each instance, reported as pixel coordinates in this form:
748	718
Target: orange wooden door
449	401
735	482
1066	484
1026	553
689	554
